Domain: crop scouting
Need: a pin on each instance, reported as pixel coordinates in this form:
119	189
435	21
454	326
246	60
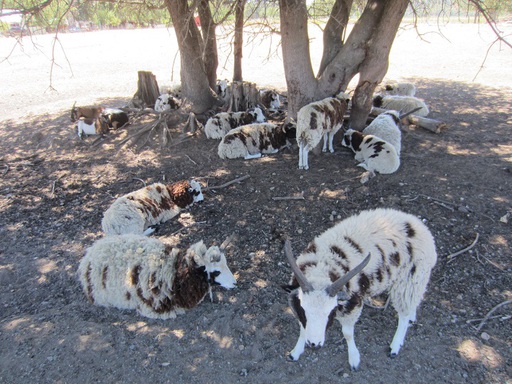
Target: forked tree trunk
147	89
198	95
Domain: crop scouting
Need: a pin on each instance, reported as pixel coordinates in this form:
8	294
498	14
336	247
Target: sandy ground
54	189
31	86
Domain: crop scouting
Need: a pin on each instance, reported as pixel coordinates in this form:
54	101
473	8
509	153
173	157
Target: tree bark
376	63
210	53
198	95
300	79
239	38
334	30
147	89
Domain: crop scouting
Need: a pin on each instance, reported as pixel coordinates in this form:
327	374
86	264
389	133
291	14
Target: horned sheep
388	250
138	211
252	140
217	126
401	103
317	120
158	281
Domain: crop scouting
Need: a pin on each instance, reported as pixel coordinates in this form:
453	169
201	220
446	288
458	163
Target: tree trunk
300	79
239	40
198	95
210	54
334	30
147	89
374	67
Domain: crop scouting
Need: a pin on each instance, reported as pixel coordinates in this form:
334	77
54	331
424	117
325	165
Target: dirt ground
54	189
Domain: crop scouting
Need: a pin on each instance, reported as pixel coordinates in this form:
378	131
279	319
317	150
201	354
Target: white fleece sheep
375	252
401	104
317	120
217	126
137	211
387	127
400	89
166	102
252	140
374	154
141	273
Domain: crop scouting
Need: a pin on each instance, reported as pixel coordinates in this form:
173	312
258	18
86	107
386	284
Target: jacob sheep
374	154
270	99
137	211
388	250
401	89
217	126
253	140
141	273
166	102
401	103
317	120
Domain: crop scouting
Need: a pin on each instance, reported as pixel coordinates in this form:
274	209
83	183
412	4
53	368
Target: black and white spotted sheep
401	104
317	120
220	124
252	140
374	252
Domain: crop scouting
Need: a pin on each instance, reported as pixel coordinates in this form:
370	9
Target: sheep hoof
290	358
354	369
393	355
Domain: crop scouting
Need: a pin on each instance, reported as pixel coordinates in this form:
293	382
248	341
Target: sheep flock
376	251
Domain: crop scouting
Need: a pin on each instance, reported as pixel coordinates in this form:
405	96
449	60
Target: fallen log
431	125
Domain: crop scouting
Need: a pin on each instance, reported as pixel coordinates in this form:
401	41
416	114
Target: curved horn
335	287
304	284
409	113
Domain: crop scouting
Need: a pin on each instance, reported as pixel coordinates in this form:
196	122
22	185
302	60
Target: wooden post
147	89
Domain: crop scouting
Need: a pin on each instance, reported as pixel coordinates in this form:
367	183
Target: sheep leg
303	156
401	331
326	139
331	139
255	156
299	346
354	357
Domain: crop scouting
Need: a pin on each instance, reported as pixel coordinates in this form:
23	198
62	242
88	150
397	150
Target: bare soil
54	189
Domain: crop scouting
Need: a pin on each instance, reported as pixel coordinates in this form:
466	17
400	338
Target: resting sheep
400	89
375	252
253	140
375	155
317	120
217	126
114	117
401	103
137	211
166	102
270	99
158	281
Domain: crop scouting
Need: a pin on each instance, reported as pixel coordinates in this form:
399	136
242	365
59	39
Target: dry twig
491	312
300	197
238	180
451	256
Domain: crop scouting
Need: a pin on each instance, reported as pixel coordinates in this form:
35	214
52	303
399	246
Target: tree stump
147	89
244	95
